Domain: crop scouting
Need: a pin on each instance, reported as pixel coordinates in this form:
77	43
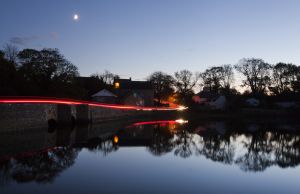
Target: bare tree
283	77
106	77
227	76
185	81
11	53
211	78
163	85
216	78
256	73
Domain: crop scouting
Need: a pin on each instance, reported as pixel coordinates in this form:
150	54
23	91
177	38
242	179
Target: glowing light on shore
181	121
182	108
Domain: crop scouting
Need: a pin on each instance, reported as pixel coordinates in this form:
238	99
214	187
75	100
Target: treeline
258	79
47	72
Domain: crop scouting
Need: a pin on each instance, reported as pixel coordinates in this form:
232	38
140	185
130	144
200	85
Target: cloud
23	40
26	40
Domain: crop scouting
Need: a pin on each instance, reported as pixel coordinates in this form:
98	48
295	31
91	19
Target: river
153	156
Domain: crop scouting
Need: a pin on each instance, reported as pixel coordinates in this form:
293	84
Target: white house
105	96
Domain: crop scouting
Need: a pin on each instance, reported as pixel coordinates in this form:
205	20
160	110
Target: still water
166	156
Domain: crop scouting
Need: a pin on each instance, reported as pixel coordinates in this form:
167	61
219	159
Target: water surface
170	156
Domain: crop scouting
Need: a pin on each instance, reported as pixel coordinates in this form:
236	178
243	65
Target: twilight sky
133	38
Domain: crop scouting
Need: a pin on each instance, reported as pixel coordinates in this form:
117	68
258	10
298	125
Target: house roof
104	93
134	85
207	94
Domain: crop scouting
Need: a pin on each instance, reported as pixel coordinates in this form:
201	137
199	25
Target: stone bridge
19	113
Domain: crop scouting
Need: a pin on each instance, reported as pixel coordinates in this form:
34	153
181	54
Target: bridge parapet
19	113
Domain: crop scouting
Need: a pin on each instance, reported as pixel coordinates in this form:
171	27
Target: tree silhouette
46	69
185	81
41	167
216	147
163	85
107	78
184	144
256	73
8	75
162	141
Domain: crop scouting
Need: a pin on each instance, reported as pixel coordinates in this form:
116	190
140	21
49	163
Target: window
117	85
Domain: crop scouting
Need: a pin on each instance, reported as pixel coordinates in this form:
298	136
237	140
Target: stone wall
16	117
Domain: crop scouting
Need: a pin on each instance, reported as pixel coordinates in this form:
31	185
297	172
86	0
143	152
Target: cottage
204	97
104	96
210	99
128	92
134	92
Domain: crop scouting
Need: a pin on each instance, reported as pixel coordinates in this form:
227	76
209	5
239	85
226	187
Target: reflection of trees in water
258	155
184	144
162	141
265	149
165	140
98	145
5	172
252	150
259	149
40	167
287	150
216	147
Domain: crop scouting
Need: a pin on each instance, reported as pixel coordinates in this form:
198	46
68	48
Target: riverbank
245	113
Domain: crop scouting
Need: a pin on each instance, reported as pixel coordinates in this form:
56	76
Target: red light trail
44	100
155	122
159	122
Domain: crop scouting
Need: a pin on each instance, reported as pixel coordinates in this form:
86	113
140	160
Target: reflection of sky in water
141	171
207	157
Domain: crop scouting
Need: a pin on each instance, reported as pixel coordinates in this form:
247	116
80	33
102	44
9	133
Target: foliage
46	68
256	73
163	85
185	81
107	78
11	53
47	72
7	76
284	76
217	78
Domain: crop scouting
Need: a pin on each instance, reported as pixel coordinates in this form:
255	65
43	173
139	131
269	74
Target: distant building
128	92
218	103
139	93
210	99
132	98
205	97
253	102
105	96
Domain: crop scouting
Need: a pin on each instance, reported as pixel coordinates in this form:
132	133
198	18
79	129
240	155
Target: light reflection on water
153	156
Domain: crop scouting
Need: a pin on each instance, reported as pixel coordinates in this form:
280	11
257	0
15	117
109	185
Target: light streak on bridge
46	100
178	121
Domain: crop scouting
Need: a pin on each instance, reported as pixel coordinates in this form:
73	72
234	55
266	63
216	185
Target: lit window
117	85
116	139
